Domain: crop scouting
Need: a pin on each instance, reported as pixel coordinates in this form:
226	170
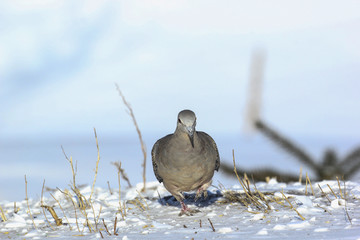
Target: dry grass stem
121	207
122	171
300	176
98	217
291	206
143	199
306	184
72	166
106	228
331	190
308	180
108	183
115	226
44	207
245	186
341	195
62	210
143	147
97	165
324	193
212	226
51	210
16	209
68	197
95	222
27	203
2	214
346	211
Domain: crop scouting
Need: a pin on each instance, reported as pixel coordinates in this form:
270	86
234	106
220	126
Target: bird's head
186	123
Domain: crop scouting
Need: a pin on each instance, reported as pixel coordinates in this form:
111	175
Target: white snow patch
16	222
272	181
298	224
337	203
225	230
258	216
35	233
321	229
160	218
279	227
262	232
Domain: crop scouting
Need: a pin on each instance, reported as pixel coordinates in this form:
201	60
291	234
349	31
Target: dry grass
97	165
45	207
257	199
291	206
27	203
143	147
122	206
122	172
2	214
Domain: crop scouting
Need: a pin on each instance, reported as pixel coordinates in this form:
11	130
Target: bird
185	160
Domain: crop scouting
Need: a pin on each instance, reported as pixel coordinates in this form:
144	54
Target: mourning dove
186	160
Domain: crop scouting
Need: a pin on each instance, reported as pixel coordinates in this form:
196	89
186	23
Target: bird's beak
190	131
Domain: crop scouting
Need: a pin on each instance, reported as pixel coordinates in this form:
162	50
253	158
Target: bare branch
143	147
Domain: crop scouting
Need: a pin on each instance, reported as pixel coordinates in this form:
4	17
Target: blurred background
59	61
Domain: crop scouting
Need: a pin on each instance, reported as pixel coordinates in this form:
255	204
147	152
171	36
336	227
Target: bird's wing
155	155
212	143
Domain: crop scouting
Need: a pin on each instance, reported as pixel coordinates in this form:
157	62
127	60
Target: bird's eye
179	121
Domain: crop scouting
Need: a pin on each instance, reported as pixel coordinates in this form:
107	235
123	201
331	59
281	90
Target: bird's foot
187	211
201	192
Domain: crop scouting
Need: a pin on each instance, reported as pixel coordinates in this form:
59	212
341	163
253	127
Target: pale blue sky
60	59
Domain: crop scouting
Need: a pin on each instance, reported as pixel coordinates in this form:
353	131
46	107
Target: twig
212	226
27	203
347	213
95	221
3	215
70	199
97	164
72	166
324	193
331	190
200	223
111	193
51	210
101	234
107	230
308	179
306	184
43	207
247	191
122	171
118	173
98	217
142	198
143	147
62	210
115	226
16	209
341	195
291	206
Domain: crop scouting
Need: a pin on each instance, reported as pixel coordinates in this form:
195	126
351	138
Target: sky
60	59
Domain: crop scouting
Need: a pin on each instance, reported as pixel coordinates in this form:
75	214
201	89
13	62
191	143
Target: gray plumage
186	160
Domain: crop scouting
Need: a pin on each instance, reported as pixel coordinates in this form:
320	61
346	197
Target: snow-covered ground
153	214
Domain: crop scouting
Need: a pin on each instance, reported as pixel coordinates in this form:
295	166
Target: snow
153	214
